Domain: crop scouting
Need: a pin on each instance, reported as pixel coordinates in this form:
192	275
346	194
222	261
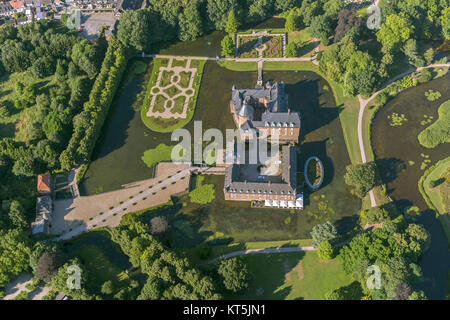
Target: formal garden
260	45
171	96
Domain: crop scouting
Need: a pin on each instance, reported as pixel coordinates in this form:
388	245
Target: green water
209	44
400	156
117	159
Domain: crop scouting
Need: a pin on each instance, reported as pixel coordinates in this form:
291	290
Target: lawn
161	153
437	194
239	66
292	276
303	37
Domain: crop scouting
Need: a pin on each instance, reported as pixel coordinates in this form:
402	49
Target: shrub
203	194
363	177
203	250
325	250
425	75
227	46
323	232
234	273
376	215
292	49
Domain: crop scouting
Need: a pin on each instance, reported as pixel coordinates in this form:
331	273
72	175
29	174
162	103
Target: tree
410	50
260	10
17	215
335	294
429	56
203	250
87	57
445	23
403	291
293	21
4	112
394	32
227	46
107	288
42	67
376	215
321	28
48	265
7	31
134	29
323	232
190	22
417	295
14	253
347	20
159	225
325	250
332	8
24	166
285	5
218	11
363	177
309	9
45	152
292	49
14	56
232	24
234	273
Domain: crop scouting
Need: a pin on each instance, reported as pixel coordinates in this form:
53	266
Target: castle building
266	111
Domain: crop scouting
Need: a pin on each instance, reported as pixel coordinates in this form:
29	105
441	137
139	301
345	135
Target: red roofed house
17	5
43	183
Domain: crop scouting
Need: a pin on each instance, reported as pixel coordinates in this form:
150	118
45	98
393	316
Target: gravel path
364	102
264	250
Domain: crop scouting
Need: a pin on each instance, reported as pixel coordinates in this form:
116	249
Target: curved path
264	250
364	102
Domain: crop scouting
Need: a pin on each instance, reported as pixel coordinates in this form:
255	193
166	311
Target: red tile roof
17	4
43	183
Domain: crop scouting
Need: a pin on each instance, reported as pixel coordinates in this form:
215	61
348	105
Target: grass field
292	276
239	66
303	37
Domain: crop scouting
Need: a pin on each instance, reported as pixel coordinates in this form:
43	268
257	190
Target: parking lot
92	23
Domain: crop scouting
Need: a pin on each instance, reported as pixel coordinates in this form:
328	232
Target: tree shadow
389	168
304	98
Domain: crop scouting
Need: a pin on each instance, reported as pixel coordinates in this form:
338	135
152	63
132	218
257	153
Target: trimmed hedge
87	125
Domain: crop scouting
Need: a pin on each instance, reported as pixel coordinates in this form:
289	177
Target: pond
209	44
402	161
117	159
